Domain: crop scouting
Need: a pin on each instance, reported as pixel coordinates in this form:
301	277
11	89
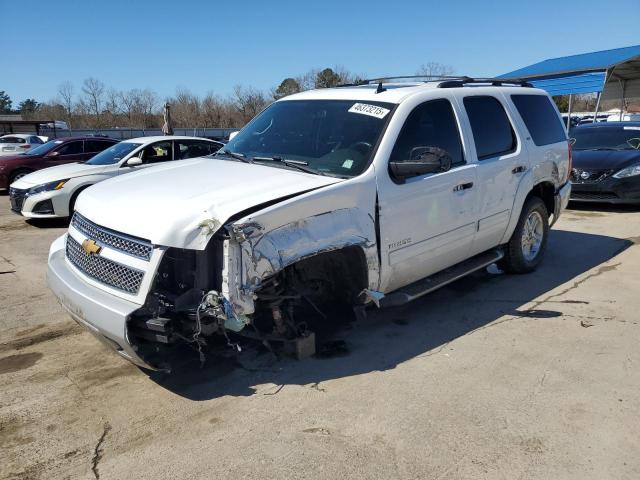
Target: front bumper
103	314
51	204
610	190
561	200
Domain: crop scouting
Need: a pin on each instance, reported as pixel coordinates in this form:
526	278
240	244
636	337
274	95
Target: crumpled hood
605	159
166	204
59	172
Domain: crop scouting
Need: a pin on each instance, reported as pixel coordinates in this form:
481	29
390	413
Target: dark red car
54	152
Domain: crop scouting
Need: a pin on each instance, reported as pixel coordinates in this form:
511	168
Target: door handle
519	169
463	186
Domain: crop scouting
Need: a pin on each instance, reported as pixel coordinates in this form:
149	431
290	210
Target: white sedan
16	143
52	192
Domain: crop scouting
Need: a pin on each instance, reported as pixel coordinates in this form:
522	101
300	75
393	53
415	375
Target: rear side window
492	131
540	118
431	124
12	140
95	145
71	148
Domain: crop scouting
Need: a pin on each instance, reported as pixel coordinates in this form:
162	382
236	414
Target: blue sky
211	46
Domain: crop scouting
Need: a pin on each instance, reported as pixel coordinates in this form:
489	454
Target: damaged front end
284	285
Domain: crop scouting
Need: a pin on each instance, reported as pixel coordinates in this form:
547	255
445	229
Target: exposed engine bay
185	304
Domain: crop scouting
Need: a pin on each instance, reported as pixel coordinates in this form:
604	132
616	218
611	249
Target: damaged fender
253	253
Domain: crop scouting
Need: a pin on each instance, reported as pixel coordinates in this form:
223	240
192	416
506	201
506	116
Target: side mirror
422	160
133	161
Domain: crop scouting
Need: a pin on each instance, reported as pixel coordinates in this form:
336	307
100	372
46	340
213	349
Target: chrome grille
130	245
16	198
104	270
580	175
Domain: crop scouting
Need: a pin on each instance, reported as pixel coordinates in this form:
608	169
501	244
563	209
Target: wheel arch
345	236
530	186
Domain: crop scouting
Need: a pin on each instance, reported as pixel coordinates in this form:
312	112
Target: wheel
18	175
72	202
526	247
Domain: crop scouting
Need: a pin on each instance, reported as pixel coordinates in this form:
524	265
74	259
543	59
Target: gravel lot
495	376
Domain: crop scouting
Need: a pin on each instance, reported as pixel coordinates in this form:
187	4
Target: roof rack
446	81
496	82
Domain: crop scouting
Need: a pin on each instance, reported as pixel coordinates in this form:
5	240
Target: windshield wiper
237	156
299	164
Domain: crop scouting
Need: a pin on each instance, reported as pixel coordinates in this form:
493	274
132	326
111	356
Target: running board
440	279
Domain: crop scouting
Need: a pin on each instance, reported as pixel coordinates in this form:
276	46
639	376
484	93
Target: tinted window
541	118
37	140
158	152
96	145
432	124
194	148
12	140
492	131
70	148
606	138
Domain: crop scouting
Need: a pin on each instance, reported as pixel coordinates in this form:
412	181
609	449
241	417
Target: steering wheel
362	147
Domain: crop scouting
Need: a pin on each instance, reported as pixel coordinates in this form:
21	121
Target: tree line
95	105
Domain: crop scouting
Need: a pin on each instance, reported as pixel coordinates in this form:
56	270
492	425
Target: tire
18	175
72	202
528	243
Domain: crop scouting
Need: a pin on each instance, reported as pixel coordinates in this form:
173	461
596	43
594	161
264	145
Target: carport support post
569	112
595	114
622	85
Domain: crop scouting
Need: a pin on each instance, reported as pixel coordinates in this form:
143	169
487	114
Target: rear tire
528	243
18	175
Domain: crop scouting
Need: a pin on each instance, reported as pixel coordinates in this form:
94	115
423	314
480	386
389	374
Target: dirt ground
495	376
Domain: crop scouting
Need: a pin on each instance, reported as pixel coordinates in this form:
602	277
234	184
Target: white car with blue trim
52	192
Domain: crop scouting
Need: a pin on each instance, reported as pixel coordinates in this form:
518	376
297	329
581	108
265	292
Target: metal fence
126	133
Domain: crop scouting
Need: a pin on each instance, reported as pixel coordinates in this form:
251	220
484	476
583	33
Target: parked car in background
17	143
606	163
52	153
52	192
626	117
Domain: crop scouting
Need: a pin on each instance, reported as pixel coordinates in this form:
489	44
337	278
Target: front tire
528	243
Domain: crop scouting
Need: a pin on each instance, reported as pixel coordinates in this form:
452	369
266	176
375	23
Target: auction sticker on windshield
371	110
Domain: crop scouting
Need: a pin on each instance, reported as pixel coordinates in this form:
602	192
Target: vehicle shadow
390	337
48	222
602	207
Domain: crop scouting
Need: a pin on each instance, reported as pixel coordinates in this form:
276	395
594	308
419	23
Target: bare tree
434	70
94	92
65	94
248	102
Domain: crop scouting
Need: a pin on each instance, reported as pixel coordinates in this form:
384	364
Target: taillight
25	146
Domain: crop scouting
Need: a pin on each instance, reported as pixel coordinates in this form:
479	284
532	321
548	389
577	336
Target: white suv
373	193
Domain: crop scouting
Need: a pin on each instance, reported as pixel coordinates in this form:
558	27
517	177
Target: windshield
334	137
44	148
113	154
616	138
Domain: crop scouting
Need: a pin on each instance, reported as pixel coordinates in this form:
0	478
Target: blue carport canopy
615	73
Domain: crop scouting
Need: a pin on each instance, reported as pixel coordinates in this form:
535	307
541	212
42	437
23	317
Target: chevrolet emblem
91	247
